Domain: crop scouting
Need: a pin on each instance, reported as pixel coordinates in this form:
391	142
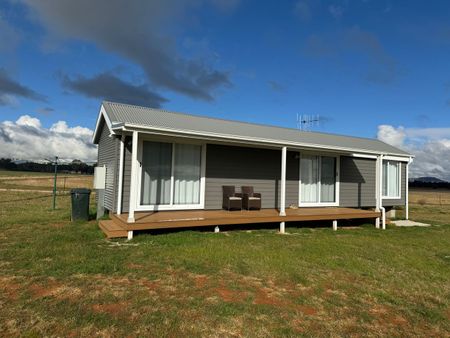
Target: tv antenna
306	122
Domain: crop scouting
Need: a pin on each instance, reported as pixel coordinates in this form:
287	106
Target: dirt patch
263	296
56	290
200	281
113	309
41	291
307	310
231	296
10	287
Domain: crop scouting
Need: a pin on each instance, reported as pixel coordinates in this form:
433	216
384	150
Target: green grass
60	278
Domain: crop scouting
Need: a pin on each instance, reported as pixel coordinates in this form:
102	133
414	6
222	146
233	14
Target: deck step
112	229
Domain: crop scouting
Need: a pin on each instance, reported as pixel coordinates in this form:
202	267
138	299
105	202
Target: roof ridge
244	122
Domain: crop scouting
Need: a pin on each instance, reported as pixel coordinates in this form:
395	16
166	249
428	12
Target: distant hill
428	179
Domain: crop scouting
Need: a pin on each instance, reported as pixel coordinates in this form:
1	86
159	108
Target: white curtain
187	174
328	179
156	173
391	182
309	175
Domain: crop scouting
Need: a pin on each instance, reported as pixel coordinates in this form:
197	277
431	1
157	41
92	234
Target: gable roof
118	115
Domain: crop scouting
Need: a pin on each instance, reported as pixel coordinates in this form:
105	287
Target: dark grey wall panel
357	182
261	168
107	156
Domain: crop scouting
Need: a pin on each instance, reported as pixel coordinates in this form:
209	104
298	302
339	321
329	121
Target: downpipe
383	218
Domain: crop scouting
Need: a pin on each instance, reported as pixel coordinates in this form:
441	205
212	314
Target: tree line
76	166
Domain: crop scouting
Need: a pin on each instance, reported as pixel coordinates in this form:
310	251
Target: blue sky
368	68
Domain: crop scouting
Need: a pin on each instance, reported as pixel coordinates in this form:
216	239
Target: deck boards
197	218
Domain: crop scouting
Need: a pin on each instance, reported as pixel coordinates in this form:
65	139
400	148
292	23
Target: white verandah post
407	190
120	182
283	187
133	180
378	189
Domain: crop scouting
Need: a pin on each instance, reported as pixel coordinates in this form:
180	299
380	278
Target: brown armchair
251	199
231	199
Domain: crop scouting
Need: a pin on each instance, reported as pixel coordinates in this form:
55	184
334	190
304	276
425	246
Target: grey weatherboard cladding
357	184
260	168
108	155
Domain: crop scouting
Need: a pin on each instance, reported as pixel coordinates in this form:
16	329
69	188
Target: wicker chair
231	199
251	199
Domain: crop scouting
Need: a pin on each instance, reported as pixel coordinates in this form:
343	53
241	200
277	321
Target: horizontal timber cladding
357	183
126	174
108	156
401	201
260	168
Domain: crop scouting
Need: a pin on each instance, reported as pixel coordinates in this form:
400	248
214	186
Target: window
391	179
318	179
171	174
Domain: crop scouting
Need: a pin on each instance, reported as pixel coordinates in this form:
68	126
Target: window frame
399	181
171	205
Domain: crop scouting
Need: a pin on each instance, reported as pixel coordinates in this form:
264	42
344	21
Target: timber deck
118	226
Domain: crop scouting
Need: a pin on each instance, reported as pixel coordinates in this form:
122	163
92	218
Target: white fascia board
101	114
397	158
374	157
249	140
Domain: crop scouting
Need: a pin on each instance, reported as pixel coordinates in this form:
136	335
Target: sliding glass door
171	174
318	180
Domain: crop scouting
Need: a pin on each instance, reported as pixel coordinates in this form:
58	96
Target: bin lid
80	191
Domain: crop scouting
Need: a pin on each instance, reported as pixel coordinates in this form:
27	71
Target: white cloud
27	139
431	147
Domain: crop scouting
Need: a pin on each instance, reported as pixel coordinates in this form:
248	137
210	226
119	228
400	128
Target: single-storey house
163	169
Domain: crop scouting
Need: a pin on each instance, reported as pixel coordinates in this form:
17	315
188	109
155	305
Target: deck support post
130	235
335	225
282	227
217	229
120	183
283	182
133	181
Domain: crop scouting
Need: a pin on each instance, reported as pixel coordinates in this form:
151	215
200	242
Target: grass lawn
64	279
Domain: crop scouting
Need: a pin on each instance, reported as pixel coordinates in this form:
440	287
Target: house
166	169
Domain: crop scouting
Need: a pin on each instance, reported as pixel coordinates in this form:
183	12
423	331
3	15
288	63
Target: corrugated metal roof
157	118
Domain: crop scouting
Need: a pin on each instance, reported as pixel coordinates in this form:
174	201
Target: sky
368	68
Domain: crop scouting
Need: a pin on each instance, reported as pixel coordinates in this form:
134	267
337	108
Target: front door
318	180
